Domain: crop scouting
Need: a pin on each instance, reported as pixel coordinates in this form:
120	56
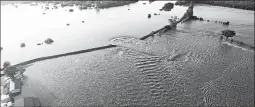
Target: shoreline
81	4
244	5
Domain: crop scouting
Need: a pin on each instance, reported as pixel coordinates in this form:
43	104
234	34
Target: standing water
189	66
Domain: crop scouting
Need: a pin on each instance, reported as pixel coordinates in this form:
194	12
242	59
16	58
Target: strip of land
239	4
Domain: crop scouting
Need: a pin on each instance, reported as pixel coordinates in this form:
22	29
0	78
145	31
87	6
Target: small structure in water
228	33
48	41
22	45
149	15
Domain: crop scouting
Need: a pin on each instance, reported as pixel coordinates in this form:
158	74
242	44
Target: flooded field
187	66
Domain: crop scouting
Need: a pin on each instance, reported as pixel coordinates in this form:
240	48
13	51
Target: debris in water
226	23
48	41
144	3
70	10
128	9
82	21
67	24
39	43
149	15
22	45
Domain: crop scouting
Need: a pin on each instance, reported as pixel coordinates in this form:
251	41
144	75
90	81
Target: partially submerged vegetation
240	4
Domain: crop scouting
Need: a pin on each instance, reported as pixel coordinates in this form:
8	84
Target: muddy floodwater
188	66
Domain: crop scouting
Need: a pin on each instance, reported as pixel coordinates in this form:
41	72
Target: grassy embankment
240	4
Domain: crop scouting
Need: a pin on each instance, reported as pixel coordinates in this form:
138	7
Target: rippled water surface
200	70
188	66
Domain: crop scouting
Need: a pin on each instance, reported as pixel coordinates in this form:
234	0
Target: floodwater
188	66
27	23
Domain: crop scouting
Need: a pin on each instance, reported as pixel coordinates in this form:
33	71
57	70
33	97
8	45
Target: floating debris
144	3
82	21
207	20
44	13
149	15
226	23
70	10
67	24
48	41
22	45
128	9
201	19
39	43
